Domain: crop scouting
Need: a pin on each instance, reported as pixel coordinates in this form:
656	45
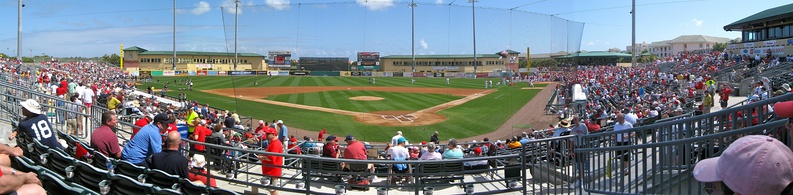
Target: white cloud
200	8
228	6
375	4
697	22
278	4
590	43
423	44
438	2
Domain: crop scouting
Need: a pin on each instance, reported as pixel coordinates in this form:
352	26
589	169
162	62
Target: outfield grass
479	116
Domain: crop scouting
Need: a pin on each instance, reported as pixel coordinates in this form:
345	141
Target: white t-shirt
622	127
398	152
88	95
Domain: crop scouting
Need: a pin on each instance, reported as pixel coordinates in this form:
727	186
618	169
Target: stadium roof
596	54
200	53
767	15
460	56
190	53
699	39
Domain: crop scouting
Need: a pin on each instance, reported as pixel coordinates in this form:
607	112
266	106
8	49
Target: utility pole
19	30
473	13
236	17
633	33
412	37
173	63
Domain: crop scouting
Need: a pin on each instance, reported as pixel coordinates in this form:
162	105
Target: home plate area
400	118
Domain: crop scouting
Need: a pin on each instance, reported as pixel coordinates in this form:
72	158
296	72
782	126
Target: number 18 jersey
39	128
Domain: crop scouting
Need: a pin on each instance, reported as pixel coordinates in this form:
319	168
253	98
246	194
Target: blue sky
331	28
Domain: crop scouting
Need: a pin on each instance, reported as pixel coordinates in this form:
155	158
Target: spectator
293	147
218	133
399	153
453	152
396	138
113	102
170	160
13	182
753	164
283	132
476	164
73	124
331	148
271	164
148	141
514	143
623	140
200	135
35	125
434	138
191	121
198	172
431	154
355	150
593	126
140	123
229	121
104	139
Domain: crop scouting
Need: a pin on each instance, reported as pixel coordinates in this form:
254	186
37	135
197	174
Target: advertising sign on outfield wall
387	74
239	73
778	50
398	74
180	73
344	73
222	73
201	73
355	74
212	73
366	74
407	74
168	73
376	74
191	73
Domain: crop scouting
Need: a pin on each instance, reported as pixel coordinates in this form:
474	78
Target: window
700	45
707	45
685	46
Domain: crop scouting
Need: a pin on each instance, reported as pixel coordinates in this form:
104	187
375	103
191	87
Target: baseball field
355	105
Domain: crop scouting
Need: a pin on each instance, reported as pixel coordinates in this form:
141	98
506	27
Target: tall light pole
173	63
236	17
19	30
412	37
633	33
473	13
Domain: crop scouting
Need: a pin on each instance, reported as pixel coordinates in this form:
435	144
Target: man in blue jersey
147	141
36	126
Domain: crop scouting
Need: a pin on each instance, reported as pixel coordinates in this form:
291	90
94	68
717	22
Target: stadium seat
24	164
126	168
89	176
191	188
218	191
162	179
163	191
70	142
39	153
99	160
121	184
56	185
59	161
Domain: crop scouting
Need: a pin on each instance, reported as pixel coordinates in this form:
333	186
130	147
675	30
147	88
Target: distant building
766	32
640	47
451	63
685	43
324	63
145	60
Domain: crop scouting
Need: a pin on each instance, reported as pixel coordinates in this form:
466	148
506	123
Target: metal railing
658	158
54	107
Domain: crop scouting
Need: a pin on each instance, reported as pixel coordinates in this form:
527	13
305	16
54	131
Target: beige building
451	63
145	60
685	43
639	46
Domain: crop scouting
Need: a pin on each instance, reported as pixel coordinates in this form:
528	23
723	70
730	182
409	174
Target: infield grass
479	116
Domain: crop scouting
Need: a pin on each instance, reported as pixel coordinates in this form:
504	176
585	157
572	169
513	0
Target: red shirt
724	94
202	133
196	177
592	127
105	141
275	146
356	150
140	123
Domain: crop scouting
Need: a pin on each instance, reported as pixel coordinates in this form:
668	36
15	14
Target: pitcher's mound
366	98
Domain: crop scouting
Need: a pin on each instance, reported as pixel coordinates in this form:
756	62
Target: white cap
399	132
31	105
279	122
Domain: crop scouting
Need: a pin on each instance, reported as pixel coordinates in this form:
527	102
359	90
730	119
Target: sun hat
564	123
31	105
754	164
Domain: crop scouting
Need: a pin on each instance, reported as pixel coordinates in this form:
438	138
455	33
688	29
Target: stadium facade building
684	43
452	63
145	60
324	63
769	31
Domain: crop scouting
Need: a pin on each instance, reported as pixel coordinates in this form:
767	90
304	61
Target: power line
626	6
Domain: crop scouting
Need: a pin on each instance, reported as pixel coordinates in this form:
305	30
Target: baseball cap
330	137
293	139
279	122
784	109
478	150
31	105
401	140
754	164
163	118
349	138
269	130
